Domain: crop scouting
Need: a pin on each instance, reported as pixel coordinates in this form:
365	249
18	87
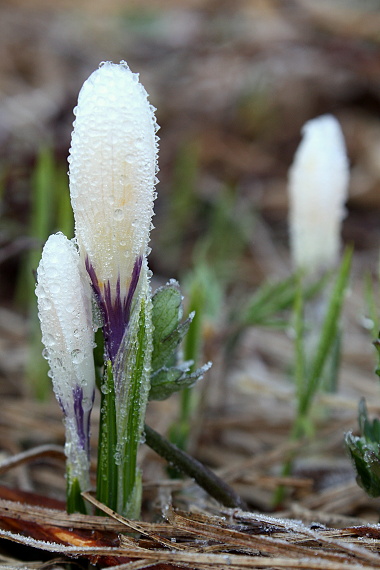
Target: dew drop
55	288
57	362
87	404
118	214
77	356
105	389
49	339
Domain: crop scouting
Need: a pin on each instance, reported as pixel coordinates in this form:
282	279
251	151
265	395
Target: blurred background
233	83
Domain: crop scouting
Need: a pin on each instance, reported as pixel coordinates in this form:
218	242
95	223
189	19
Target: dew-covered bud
64	308
112	168
318	185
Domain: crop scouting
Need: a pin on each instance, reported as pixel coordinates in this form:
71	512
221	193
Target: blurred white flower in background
318	187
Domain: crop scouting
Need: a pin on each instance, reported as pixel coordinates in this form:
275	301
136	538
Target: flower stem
131	411
180	432
183	462
309	376
107	470
74	500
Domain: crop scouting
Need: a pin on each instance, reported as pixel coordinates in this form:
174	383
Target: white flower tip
113	166
64	309
318	186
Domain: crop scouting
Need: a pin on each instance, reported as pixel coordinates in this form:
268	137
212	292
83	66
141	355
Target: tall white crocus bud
318	185
113	164
64	309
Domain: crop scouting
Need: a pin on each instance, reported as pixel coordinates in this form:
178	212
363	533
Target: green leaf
370	298
74	500
299	329
132	371
366	462
329	332
107	470
169	376
269	300
99	357
365	452
272	298
168	331
369	430
376	430
376	344
166	381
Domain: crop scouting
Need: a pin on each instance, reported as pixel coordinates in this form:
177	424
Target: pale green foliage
169	374
365	452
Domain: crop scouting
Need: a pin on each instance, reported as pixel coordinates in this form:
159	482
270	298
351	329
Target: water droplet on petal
55	287
49	339
77	356
87	404
118	214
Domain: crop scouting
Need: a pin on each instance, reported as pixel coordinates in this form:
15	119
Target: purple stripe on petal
61	405
115	310
132	287
82	418
79	416
94	281
88	425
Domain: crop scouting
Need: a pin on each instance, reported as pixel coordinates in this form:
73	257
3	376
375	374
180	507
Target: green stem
138	375
74	500
329	331
279	494
309	378
107	470
183	462
180	432
128	472
299	430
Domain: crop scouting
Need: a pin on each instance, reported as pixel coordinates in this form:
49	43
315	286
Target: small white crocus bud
113	165
318	186
64	308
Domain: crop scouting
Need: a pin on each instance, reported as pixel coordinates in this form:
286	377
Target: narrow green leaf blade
329	332
132	382
106	484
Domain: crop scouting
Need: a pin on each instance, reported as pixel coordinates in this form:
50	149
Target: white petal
64	308
318	185
113	164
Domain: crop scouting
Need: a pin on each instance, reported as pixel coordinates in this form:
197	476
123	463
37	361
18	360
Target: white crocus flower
318	185
64	309
112	170
113	164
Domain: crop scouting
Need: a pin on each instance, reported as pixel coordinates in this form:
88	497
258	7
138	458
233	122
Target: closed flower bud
113	164
318	185
64	309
